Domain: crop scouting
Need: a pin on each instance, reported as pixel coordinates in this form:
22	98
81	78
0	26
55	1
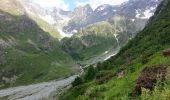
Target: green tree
90	74
77	81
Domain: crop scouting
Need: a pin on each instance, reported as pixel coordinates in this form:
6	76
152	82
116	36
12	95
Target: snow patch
101	8
74	31
133	20
48	19
114	10
64	34
105	13
138	14
146	14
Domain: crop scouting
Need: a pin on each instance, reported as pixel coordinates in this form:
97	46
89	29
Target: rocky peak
103	7
82	11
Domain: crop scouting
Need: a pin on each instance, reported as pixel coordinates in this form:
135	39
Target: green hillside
140	71
97	39
28	54
90	42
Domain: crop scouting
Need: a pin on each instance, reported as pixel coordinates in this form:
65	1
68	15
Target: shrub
104	76
166	52
90	74
157	94
150	77
77	81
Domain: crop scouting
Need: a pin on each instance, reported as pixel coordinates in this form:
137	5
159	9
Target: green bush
90	74
157	94
77	81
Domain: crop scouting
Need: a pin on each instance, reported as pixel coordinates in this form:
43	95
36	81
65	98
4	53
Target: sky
71	4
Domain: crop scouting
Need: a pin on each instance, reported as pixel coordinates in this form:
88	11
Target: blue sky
71	4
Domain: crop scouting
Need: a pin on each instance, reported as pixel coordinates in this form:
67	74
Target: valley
139	71
109	52
46	90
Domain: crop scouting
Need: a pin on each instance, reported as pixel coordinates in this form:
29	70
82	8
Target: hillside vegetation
98	38
28	54
140	71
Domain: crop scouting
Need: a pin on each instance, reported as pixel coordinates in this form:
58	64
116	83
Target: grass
47	27
117	88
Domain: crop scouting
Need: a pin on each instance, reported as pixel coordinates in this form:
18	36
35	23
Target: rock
11	80
121	74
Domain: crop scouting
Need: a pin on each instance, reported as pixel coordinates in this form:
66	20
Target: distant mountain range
71	21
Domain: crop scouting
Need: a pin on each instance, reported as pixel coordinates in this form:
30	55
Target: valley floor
35	91
45	90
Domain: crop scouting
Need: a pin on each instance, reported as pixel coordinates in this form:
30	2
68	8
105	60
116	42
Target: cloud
52	3
66	4
95	3
80	3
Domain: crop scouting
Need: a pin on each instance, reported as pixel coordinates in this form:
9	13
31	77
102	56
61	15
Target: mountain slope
100	38
135	65
103	31
27	53
40	16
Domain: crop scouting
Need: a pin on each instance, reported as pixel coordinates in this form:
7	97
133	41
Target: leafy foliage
77	81
90	74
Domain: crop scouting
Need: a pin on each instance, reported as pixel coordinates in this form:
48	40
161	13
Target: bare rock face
10	80
149	77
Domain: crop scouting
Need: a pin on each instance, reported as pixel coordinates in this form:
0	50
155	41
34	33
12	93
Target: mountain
140	71
32	37
28	54
135	10
103	31
94	40
69	22
41	16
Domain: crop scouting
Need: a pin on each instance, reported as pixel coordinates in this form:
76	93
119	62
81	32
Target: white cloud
79	3
52	3
95	3
65	5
